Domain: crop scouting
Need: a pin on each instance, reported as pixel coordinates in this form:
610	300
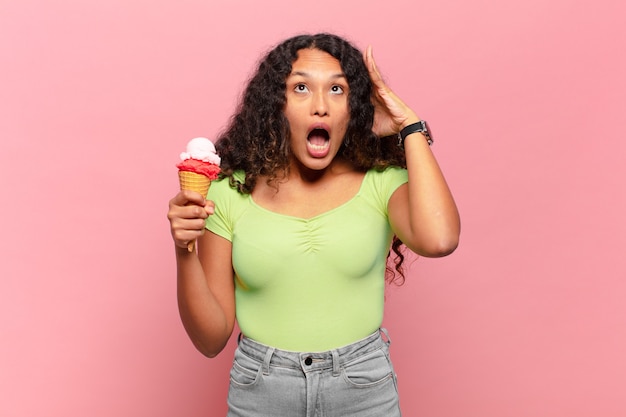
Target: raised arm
205	287
422	212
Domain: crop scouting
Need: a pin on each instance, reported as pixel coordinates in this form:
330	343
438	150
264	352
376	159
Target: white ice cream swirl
201	149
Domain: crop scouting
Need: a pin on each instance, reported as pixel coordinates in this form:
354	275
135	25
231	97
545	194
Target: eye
300	88
336	89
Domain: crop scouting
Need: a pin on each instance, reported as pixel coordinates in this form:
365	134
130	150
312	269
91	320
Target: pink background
527	102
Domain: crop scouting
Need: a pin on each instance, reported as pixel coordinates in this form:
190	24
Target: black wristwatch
417	127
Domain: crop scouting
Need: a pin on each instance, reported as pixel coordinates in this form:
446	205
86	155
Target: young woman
315	187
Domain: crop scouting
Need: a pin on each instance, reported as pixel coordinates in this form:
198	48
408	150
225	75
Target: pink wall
527	101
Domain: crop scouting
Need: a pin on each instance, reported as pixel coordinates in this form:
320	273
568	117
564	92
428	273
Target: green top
309	284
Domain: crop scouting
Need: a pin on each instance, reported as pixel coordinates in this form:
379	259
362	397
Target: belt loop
336	367
388	339
266	361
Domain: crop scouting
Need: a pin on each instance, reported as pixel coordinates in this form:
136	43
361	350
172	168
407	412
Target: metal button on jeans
308	361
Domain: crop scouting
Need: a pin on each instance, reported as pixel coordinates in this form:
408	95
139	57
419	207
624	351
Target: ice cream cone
199	166
194	182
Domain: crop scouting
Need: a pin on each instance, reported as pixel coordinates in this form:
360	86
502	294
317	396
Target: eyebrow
306	74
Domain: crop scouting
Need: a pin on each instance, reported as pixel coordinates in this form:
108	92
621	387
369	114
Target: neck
300	173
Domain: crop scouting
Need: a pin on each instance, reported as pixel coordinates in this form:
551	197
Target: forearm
433	215
203	316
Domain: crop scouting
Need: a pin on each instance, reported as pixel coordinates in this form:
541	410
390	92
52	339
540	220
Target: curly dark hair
256	140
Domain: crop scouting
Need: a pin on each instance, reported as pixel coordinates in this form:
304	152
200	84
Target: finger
209	207
185	217
375	75
188	225
186	230
194	197
366	56
185	197
193	211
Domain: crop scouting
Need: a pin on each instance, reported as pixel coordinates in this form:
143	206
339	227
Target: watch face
427	132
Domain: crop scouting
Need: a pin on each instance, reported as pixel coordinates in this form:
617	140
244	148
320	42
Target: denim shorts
354	380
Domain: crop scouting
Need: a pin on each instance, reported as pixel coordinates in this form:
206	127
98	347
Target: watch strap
417	127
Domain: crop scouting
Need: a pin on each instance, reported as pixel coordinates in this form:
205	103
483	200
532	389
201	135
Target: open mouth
318	139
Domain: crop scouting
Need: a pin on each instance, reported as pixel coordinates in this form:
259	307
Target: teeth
318	147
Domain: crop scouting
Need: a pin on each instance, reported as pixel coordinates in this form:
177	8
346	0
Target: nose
319	104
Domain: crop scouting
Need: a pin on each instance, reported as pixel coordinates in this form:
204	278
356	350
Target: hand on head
391	114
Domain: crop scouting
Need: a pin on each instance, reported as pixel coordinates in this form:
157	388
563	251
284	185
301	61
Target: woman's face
316	108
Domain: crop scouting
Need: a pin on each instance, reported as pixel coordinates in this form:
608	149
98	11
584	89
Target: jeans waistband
313	361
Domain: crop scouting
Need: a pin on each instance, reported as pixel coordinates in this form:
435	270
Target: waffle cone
194	182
